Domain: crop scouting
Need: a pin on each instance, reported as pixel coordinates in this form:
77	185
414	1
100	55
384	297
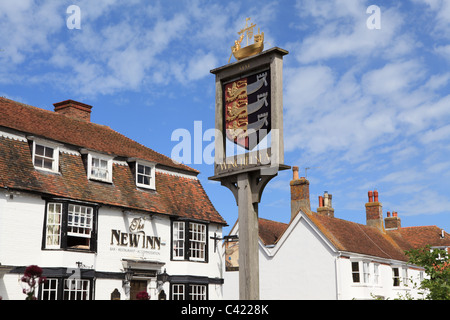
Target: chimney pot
370	194
320	201
375	196
388	214
295	173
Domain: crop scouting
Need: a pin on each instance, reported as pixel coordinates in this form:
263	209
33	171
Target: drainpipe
338	276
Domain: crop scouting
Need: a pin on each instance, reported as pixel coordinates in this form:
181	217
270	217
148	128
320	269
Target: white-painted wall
304	265
21	232
300	266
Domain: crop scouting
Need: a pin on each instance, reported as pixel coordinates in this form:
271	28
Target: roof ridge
420	227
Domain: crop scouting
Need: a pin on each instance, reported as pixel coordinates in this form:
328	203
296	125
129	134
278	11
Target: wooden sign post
249	149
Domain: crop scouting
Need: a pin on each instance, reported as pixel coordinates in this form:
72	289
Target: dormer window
45	155
99	166
144	173
145	176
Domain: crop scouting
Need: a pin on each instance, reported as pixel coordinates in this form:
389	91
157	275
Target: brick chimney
374	212
392	222
325	207
299	194
74	109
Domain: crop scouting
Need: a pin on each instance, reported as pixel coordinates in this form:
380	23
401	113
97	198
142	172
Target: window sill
366	285
43	170
100	180
401	288
144	187
70	250
187	260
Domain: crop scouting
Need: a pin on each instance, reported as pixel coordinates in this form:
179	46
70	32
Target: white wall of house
373	287
300	266
304	265
21	233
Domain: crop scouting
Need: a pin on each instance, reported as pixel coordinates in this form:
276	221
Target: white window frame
197	241
376	273
178	240
80	221
189	291
49	289
53	225
100	157
66	289
355	272
54	158
76	288
404	276
178	292
197	292
189	241
397	277
151	176
366	272
68	221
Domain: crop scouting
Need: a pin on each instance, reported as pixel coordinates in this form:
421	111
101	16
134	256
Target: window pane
79	226
355	271
48	152
40	150
49	289
44	157
53	234
143	174
197	292
47	163
197	241
76	289
178	292
99	169
178	240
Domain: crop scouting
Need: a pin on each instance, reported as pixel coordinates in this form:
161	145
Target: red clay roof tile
174	195
352	237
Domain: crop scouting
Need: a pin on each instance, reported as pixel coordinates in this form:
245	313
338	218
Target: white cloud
26	28
393	78
435	135
343	32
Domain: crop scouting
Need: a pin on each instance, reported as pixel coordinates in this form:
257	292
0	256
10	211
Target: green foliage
437	267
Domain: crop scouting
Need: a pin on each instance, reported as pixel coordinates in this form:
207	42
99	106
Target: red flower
31	274
33	271
143	295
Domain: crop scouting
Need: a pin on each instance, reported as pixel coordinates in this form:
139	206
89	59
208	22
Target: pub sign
247	110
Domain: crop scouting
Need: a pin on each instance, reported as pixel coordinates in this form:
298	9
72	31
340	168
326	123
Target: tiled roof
270	231
417	237
353	237
175	193
58	127
357	238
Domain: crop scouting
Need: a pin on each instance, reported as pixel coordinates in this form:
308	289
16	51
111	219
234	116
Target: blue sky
364	108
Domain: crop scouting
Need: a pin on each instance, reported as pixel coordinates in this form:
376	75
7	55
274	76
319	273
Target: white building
318	256
102	215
